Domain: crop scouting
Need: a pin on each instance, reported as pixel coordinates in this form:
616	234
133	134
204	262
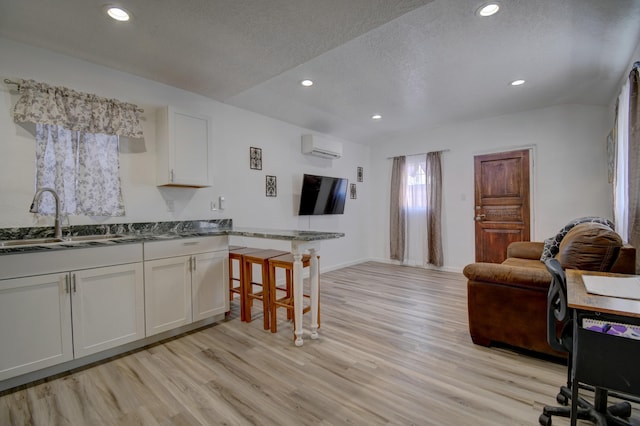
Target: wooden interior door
502	213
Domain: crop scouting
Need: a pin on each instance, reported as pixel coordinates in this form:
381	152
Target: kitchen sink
30	242
46	241
101	237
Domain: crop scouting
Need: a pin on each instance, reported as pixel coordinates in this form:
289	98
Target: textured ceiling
419	63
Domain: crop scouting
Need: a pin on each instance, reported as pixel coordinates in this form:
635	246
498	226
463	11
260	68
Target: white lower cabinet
36	326
167	293
185	281
63	305
108	307
210	285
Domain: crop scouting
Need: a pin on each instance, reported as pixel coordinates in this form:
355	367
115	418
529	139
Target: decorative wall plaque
255	158
271	186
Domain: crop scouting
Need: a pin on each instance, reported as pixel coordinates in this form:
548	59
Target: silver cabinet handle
66	283
194	264
74	283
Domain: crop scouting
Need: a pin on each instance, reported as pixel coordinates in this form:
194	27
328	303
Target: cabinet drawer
184	247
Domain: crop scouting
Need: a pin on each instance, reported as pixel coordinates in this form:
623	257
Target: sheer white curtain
56	167
98	188
621	180
416	199
82	168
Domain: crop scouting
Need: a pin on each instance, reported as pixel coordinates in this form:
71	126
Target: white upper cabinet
183	148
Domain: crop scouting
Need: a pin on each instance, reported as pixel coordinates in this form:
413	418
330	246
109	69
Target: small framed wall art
353	194
255	158
271	186
360	174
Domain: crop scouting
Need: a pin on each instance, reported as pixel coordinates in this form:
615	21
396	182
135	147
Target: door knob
479	217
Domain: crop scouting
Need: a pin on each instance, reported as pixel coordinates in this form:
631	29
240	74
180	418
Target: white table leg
298	293
315	292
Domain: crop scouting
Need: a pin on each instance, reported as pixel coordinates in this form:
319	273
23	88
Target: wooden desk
578	298
601	360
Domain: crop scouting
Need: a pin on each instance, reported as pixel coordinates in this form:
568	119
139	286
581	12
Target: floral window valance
44	104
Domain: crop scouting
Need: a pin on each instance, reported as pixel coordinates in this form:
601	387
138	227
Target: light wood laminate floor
393	350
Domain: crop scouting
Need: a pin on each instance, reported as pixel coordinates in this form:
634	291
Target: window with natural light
416	185
621	186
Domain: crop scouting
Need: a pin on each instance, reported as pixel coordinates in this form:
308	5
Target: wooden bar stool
236	253
286	262
260	258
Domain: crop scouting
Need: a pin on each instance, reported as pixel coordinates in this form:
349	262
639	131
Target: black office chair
558	316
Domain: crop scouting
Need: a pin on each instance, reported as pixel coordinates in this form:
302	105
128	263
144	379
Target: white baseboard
397	262
305	272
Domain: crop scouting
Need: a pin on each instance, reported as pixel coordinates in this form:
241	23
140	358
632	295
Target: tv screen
322	195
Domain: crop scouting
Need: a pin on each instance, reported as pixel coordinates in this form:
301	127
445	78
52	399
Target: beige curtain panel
398	213
44	104
434	201
400	205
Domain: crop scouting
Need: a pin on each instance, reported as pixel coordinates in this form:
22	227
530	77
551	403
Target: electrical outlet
213	206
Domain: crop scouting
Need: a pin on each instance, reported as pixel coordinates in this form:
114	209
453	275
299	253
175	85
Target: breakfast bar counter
301	242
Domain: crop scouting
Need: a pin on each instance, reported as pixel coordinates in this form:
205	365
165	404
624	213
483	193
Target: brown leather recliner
507	302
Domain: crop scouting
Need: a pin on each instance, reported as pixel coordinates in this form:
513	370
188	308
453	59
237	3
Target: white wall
568	141
569	175
235	131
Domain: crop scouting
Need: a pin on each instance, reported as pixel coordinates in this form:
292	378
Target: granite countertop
146	232
284	234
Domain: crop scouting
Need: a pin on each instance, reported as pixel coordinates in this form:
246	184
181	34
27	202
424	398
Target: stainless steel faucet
34	208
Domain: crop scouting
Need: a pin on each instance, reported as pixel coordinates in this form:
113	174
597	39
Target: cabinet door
210	285
107	306
167	288
35	324
183	149
190	149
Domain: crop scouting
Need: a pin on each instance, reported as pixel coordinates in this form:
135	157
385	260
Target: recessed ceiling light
118	13
488	9
517	82
306	83
376	117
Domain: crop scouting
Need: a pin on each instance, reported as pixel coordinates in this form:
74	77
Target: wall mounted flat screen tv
322	195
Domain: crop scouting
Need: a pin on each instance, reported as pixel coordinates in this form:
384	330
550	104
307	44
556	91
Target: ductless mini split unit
321	146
